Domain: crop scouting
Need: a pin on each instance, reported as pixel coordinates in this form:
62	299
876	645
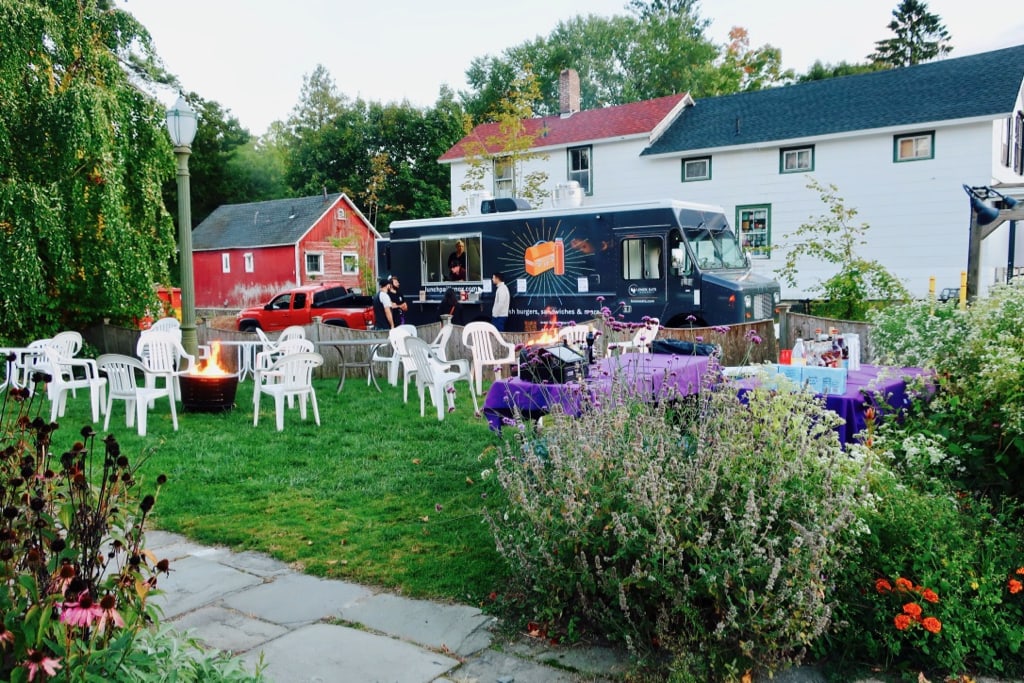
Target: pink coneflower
38	660
5	636
82	613
108	614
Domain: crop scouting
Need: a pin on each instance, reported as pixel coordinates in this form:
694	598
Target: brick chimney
568	92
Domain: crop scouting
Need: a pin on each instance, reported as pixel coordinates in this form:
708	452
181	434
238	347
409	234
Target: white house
899	145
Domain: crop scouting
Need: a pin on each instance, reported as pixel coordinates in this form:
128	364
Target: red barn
243	254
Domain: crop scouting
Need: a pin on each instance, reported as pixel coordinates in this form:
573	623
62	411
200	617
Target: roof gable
269	223
982	85
637	118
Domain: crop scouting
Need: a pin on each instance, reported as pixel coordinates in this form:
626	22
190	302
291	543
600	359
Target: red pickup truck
332	302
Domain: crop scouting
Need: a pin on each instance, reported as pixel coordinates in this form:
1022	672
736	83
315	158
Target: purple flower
691	318
721	329
600	299
699	338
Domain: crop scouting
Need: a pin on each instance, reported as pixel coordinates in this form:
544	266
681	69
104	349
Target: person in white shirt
499	312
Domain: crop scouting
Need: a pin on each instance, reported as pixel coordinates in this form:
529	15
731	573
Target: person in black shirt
457	262
398	302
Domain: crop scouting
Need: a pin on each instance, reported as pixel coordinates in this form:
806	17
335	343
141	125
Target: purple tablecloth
651	374
864	387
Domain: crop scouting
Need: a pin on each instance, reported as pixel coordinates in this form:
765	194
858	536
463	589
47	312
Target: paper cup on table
785	356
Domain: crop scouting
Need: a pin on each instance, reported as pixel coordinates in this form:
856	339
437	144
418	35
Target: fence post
784	341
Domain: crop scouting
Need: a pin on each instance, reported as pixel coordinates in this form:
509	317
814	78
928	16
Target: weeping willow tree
83	230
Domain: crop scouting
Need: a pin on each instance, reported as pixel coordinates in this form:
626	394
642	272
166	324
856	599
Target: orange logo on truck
545	256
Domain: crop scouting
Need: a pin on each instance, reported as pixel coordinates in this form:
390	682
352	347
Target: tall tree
512	144
819	71
83	155
920	36
744	68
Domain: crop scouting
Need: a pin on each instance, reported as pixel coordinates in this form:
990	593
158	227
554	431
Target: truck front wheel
248	326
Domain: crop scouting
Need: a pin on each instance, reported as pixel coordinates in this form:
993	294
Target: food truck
676	261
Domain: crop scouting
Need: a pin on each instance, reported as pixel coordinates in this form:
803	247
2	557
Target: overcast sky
251	55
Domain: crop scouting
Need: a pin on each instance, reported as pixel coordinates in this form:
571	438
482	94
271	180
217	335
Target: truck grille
764	306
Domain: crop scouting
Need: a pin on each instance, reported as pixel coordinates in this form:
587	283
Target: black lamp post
985	218
181	124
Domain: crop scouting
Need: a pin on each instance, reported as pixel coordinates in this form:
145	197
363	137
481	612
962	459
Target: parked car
948	293
330	301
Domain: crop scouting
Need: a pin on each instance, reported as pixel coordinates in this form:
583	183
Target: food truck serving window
450	259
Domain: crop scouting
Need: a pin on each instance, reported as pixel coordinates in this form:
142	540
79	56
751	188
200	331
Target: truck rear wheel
682	321
336	323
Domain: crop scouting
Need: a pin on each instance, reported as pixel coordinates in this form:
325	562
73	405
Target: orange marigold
904	584
1015	586
932	624
930	596
913	609
1020	570
883	586
902	622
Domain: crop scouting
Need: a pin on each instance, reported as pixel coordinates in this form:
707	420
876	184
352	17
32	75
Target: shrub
955	557
76	576
709	528
979	361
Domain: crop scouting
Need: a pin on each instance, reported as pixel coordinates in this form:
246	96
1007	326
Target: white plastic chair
388	353
397	337
123	374
289	376
575	336
162	355
266	359
439	347
63	379
488	348
641	341
168	324
438	376
28	362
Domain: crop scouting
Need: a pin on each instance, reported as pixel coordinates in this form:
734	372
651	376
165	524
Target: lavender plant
706	527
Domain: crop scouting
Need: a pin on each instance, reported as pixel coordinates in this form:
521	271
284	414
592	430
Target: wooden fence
735	343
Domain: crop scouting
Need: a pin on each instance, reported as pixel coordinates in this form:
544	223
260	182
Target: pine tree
920	36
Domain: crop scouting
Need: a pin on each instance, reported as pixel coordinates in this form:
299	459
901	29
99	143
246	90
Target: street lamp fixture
985	218
181	124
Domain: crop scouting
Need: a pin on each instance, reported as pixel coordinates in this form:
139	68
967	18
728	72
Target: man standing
499	312
383	318
398	301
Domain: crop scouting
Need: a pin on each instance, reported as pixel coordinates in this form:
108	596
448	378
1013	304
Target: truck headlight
748	302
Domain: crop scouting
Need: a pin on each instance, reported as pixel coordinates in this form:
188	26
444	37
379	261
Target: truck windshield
715	246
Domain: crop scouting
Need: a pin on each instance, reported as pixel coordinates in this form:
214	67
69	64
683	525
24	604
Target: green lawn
376	494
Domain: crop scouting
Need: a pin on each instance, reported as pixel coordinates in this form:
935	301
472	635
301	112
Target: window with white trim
580	168
250	264
314	263
349	263
698	168
796	160
913	147
503	180
755	223
225	263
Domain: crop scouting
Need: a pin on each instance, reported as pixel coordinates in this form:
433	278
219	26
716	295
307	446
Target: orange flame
212	367
549	331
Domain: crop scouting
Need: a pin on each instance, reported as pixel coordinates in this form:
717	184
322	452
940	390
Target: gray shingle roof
984	84
260	224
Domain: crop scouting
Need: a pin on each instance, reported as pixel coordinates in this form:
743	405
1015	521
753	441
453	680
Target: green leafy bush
707	528
75	576
956	558
978	356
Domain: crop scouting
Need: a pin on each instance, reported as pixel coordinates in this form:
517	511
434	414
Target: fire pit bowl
208	393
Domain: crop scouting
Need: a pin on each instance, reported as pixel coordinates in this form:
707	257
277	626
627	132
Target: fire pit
211	389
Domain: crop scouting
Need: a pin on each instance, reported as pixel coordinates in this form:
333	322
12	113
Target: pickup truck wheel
249	327
336	323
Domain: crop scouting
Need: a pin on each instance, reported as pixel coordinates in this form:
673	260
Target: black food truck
666	259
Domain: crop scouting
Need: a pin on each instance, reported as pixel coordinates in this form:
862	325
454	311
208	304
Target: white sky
251	55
